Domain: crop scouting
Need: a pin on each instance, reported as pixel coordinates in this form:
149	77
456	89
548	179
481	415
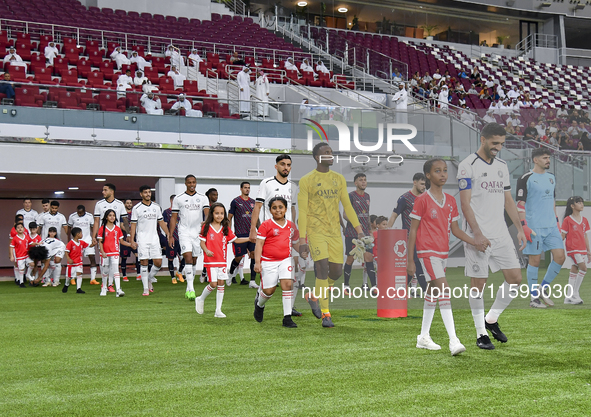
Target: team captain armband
465	183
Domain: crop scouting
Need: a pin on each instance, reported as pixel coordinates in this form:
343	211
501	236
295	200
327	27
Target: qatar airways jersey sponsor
488	183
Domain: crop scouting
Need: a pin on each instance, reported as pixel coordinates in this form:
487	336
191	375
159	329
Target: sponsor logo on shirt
493	186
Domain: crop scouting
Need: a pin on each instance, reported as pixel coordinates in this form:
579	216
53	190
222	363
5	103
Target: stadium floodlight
342	10
302	3
2	178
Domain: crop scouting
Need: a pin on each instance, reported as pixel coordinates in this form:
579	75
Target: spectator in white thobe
186	104
178	78
443	99
243	79
322	68
175	57
143	81
194	58
120	58
152	106
400	100
124	82
290	66
50	52
262	93
305	110
139	60
12	56
306	67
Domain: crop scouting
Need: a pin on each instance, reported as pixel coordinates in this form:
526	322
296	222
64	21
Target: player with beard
485	194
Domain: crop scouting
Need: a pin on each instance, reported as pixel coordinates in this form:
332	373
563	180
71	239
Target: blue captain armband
465	183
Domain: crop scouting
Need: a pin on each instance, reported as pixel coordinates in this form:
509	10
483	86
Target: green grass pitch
85	355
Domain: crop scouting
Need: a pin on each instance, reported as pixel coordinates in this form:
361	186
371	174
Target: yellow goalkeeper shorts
322	247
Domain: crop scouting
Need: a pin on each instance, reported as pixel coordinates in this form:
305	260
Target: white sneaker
199	303
219	315
253	284
456	347
103	291
570	300
154	279
425	342
201	278
120	293
56	284
229	282
545	298
577	300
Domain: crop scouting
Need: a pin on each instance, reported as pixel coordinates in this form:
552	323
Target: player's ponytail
570	203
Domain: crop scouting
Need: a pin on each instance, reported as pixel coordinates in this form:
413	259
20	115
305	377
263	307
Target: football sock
578	282
286	296
189	277
57	272
124	266
171	268
477	307
532	278
219	297
447	316
117	279
79	282
364	277
371	273
153	272
504	298
572	281
206	291
347	273
553	270
182	265
144	274
321	292
138	265
429	306
263	298
253	274
92	273
233	266
294	295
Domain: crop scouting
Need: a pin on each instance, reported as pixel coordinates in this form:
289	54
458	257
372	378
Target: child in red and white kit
74	250
434	216
574	229
110	237
19	251
273	260
215	237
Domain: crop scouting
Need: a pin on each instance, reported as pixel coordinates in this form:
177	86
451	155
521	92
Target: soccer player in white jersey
191	206
108	202
85	221
146	216
276	186
29	215
485	194
53	218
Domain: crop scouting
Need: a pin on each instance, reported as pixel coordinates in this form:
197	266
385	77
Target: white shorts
272	272
501	254
151	250
88	250
433	267
579	258
214	273
57	254
22	263
190	244
73	271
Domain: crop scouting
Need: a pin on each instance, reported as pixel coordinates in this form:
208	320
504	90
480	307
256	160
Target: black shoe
16	281
295	313
496	331
244	282
22	285
258	311
483	342
79	291
327	321
288	322
234	281
314	305
65	289
32	284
